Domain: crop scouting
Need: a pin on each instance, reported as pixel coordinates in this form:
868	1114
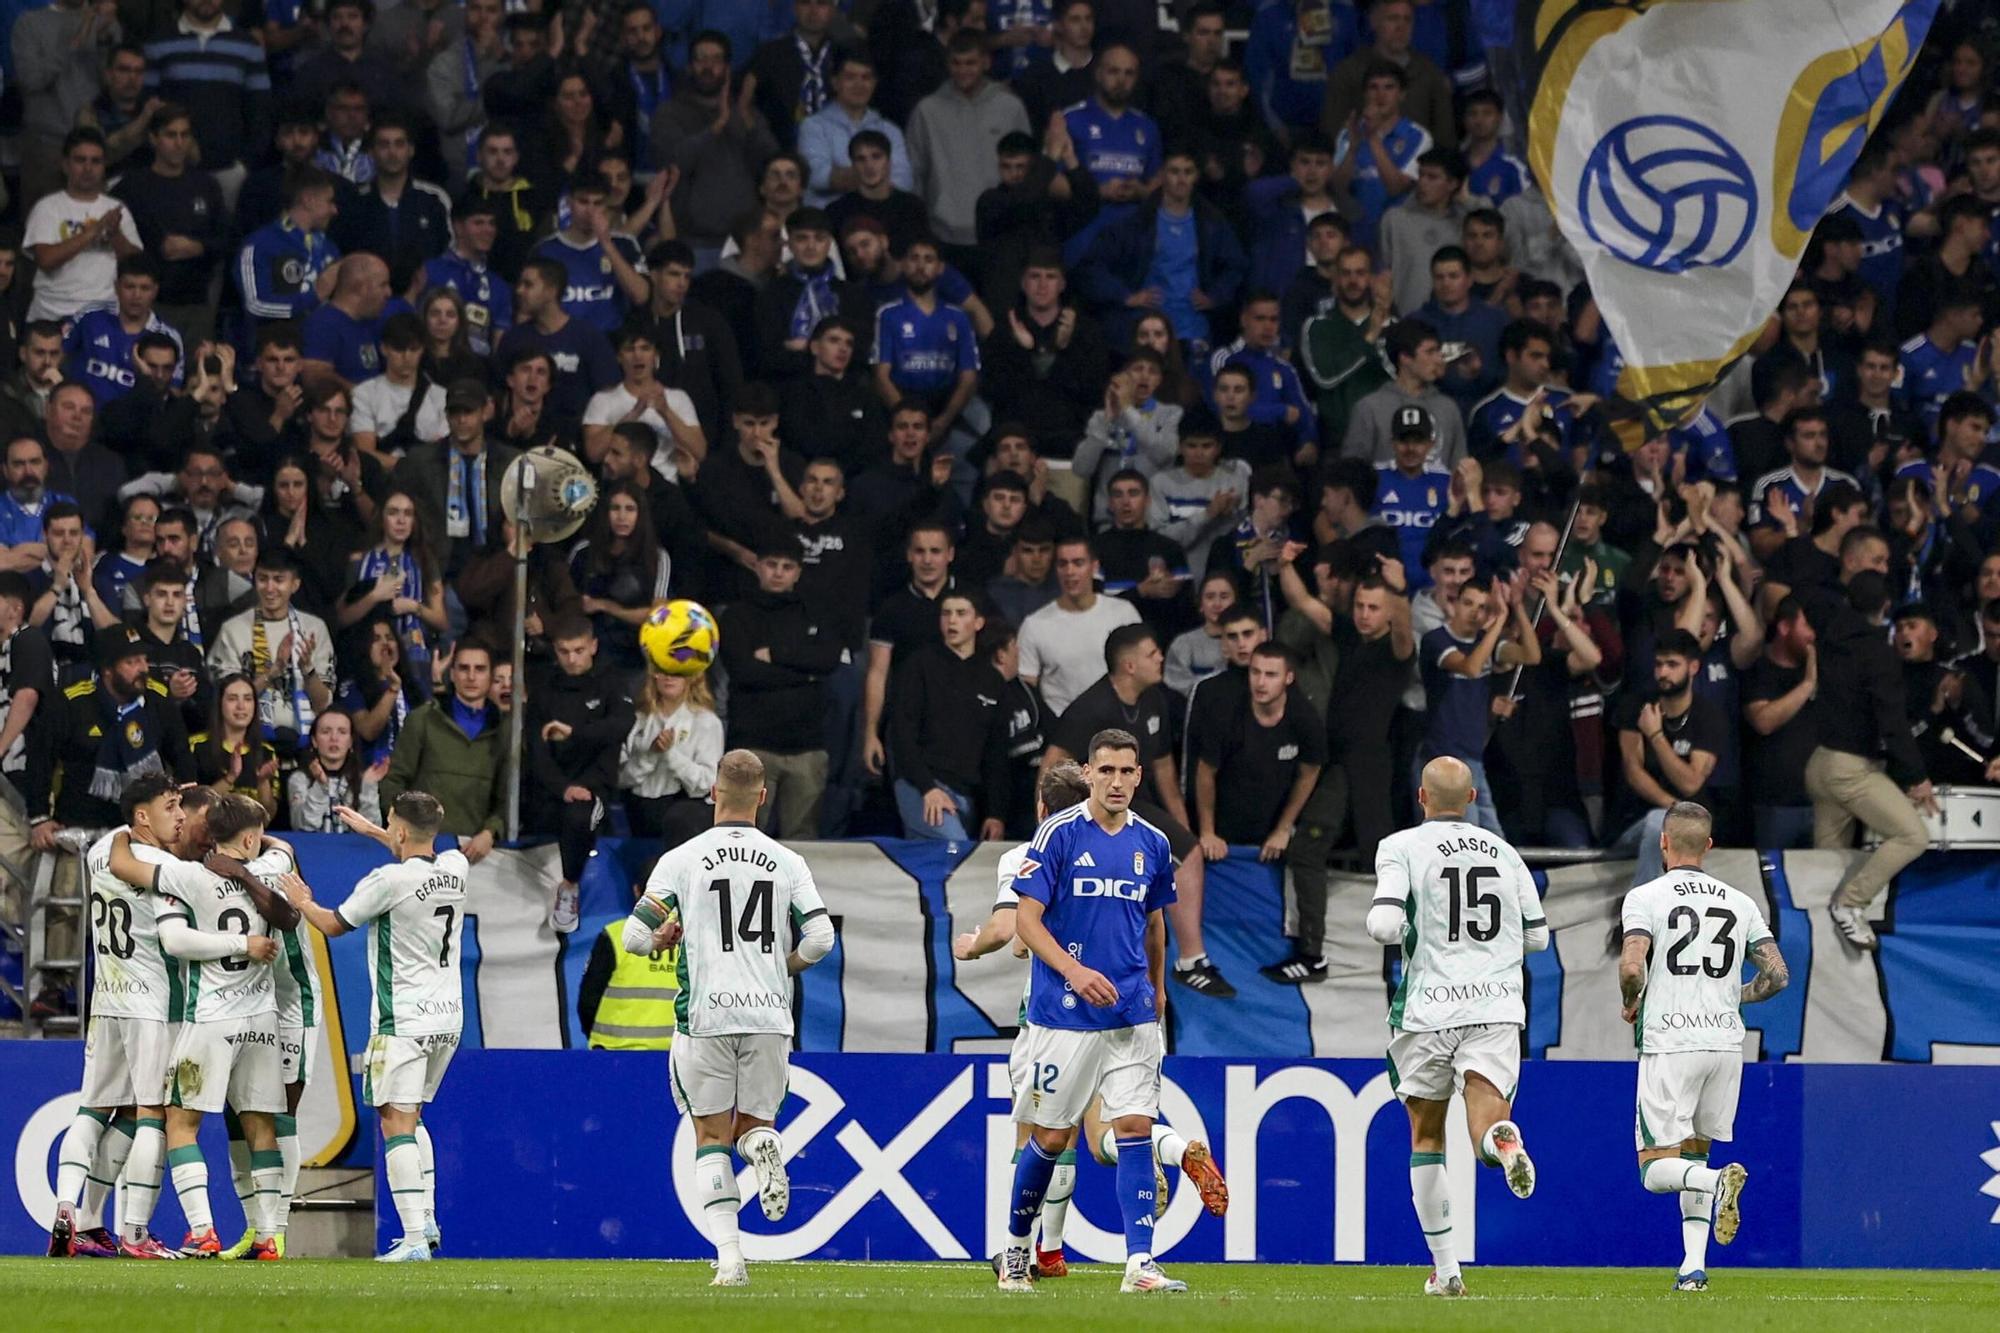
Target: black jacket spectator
64	748
698	356
1861	708
189	205
777	704
841	417
1050	388
597	708
946	727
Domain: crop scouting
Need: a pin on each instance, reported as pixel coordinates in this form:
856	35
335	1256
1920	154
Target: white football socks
1433	1202
142	1178
1696	1208
1055	1203
427	1154
267	1183
288	1152
113	1147
1671	1175
715	1182
239	1174
405	1169
79	1150
190	1173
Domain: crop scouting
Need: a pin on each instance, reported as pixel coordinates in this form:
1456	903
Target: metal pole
517	715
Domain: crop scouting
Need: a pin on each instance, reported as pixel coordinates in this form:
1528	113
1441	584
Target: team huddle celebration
1345	460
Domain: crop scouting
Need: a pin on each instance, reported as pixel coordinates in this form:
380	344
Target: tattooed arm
1772	974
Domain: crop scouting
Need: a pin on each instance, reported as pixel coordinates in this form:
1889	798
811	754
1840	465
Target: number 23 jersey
740	895
1702	932
1467	898
415	912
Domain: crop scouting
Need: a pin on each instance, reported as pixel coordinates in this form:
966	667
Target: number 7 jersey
415	912
741	897
1702	932
1467	899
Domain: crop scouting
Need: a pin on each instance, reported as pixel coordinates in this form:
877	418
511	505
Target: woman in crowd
116	568
232	756
448	354
333	774
668	766
314	537
621	571
1155	333
398	575
381	687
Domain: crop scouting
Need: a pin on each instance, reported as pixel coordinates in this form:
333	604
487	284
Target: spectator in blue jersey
870	251
926	350
137	519
221	77
1946	358
1487	626
1494	428
26	500
1870	204
825	136
1800	482
101	341
345	334
604	272
403	220
465	268
580	355
808	289
1491	172
1022	30
1059	74
1175	254
1294	45
343	150
1472	327
288	267
1375	155
1391	24
1280	208
1280	396
1412	350
1956	474
1112	141
1410	493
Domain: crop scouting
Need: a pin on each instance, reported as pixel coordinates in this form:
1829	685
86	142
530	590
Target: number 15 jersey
415	913
741	897
1467	898
1702	932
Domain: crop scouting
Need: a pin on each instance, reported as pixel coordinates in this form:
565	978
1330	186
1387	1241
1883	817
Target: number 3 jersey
414	911
134	976
1702	931
1467	899
216	990
741	897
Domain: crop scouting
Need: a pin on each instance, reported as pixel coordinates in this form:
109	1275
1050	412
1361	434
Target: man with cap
1409	493
456	483
465	267
101	734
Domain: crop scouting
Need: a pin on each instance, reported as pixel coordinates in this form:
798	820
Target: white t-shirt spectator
379	405
86	280
1063	651
608	407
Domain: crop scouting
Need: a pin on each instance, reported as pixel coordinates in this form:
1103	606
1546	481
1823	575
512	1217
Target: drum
1968	819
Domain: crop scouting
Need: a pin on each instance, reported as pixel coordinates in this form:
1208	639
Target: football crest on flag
1688	150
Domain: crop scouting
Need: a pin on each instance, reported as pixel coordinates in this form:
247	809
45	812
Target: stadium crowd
997	371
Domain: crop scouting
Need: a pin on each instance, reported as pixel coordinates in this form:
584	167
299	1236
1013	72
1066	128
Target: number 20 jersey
1467	897
415	914
133	978
741	897
1702	931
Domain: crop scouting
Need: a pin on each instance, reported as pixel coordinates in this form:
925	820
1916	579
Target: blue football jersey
591	293
925	352
1881	246
1710	455
489	301
1931	375
1495	414
1411	506
1786	480
1097	890
1124	146
1980	487
100	352
1406	142
1499	178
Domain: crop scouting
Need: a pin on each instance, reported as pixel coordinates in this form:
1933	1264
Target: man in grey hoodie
953	134
1412	348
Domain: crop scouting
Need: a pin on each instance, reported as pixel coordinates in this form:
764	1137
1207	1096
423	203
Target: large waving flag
1688	148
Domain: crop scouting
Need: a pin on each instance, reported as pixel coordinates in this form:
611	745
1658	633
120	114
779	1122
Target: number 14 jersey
1467	898
1702	932
741	897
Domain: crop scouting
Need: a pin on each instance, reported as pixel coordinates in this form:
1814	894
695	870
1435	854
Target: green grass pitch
503	1296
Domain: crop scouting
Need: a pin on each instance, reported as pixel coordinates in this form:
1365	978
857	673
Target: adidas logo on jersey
1086	860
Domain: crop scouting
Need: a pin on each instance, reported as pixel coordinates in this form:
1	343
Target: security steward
627	1000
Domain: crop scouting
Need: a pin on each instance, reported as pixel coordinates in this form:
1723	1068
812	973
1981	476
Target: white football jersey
216	989
1467	897
134	978
415	912
741	897
1010	866
1702	932
298	983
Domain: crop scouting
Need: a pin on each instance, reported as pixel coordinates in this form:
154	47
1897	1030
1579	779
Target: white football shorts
298	1048
406	1071
1687	1094
1433	1065
232	1060
747	1072
1066	1067
126	1062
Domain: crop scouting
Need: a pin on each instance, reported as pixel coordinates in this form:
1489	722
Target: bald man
344	336
1461	904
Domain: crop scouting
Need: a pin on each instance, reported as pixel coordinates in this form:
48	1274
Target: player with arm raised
134	989
1061	786
724	897
1093	889
1462	905
414	911
1687	935
227	1047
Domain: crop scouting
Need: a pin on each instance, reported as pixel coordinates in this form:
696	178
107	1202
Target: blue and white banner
579	1154
1689	150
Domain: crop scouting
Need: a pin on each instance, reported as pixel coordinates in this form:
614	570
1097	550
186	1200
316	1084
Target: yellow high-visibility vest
637	1012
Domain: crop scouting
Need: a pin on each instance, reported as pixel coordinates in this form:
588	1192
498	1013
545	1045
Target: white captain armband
815	936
